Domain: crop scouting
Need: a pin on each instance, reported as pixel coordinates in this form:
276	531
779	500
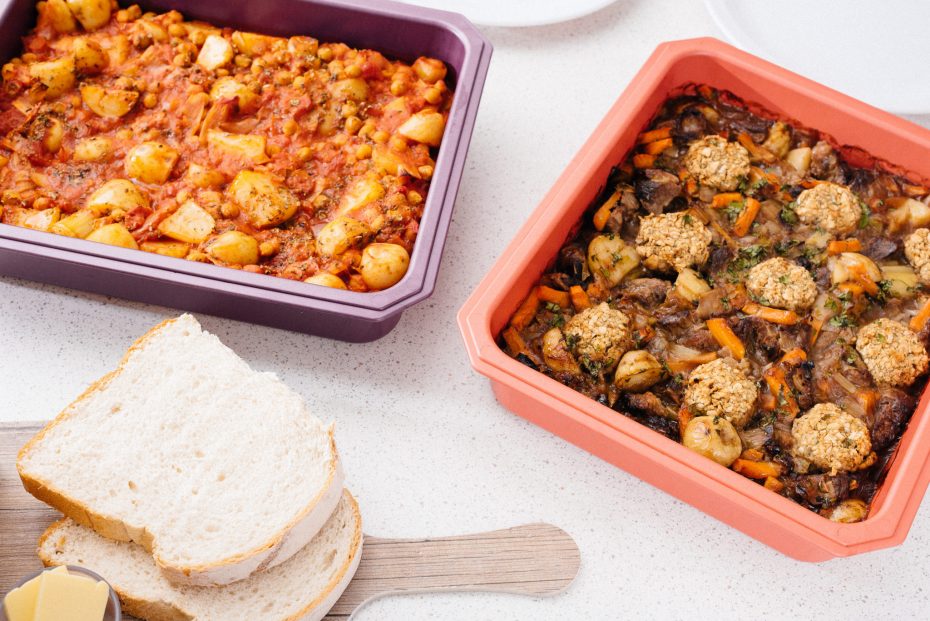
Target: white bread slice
217	470
303	588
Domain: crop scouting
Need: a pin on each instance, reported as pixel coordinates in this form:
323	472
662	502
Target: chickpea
353	124
380	136
383	265
326	279
229	210
363	152
269	247
150	100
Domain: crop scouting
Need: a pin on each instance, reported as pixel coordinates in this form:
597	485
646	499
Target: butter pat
20	603
57	595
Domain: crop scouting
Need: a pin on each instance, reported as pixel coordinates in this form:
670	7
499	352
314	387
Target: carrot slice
752	455
845	245
527	311
684	417
603	212
705	91
758	173
644	160
919	320
794	356
580	299
597	291
867	399
726	337
773	484
554	296
654	148
757	152
680	365
746	217
655	134
775	315
757	469
725	198
851	287
778	385
514	341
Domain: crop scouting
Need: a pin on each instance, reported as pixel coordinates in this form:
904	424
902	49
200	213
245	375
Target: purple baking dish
397	30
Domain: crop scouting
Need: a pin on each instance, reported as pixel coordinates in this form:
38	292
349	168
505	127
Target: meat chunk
825	164
700	339
800	379
647	403
761	336
822	489
646	291
892	411
656	189
880	248
690	125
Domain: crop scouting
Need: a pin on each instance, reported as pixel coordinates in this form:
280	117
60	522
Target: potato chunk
383	265
174	249
91	13
234	247
253	44
362	192
247	146
190	223
59	16
112	103
216	52
266	202
354	89
229	87
89	57
425	126
57	76
42	220
340	235
96	149
115	235
151	162
117	193
203	177
79	224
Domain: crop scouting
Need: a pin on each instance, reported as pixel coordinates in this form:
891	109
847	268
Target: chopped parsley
784	246
748	257
733	210
866	215
842	321
788	214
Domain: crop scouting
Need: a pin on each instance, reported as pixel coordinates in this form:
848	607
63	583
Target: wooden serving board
535	559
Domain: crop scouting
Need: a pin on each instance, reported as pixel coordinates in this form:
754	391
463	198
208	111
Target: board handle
534	559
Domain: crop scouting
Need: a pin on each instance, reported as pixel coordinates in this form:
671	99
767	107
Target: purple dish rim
420	280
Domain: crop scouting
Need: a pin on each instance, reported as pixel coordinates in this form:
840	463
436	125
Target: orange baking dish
718	491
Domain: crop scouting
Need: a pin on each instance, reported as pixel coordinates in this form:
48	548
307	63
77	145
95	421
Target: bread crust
232	569
316	609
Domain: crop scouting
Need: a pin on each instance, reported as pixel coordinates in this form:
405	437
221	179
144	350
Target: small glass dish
112	611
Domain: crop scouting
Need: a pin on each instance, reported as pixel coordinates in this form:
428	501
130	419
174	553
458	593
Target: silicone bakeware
718	491
397	30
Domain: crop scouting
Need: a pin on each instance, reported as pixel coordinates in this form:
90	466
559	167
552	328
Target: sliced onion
845	383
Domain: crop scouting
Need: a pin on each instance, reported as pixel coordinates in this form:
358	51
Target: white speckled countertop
427	449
